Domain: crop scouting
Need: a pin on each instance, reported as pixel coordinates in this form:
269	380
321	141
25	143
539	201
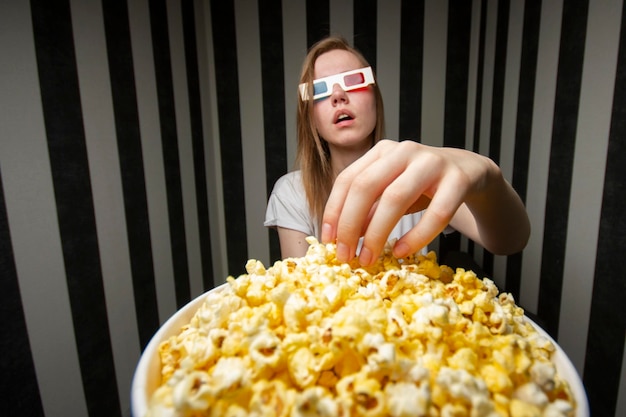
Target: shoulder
291	177
289	191
287	206
290	183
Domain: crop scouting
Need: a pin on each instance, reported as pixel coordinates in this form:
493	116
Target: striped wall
139	141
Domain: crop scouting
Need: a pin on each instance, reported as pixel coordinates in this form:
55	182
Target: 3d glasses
349	80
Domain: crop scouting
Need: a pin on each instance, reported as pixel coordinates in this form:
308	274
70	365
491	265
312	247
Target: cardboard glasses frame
349	80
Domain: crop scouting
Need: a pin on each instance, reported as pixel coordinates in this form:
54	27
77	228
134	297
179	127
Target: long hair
313	154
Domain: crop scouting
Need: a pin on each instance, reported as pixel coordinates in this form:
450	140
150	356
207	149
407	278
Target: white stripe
592	138
252	127
484	131
472	77
434	71
295	49
388	63
152	148
499	271
32	219
185	146
208	87
509	109
102	153
541	135
433	77
342	19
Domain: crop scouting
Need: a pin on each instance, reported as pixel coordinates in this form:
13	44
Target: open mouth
343	117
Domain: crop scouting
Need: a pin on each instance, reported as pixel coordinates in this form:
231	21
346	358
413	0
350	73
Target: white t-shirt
288	208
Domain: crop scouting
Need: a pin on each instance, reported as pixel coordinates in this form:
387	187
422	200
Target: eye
354	79
319	88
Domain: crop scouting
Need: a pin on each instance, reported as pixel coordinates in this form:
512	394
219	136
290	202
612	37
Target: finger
364	192
401	197
331	216
435	219
369	217
339	192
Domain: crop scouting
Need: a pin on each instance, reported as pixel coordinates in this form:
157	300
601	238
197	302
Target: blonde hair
313	155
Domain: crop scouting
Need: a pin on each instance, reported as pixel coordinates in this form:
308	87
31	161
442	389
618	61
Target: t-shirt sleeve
287	206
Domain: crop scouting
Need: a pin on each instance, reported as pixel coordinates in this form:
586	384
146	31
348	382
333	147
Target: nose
338	95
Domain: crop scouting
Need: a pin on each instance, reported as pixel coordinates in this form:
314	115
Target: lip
341	112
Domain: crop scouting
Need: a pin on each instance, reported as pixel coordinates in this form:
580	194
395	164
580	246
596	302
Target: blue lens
319	87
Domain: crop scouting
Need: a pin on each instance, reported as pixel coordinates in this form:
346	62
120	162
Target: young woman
352	184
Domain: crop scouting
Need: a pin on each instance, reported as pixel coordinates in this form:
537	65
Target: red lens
354	79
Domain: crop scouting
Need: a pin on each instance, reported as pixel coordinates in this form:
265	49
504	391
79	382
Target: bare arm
292	243
495	217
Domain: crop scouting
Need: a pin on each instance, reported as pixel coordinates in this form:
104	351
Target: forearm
495	216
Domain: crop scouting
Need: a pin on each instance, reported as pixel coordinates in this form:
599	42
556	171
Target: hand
395	178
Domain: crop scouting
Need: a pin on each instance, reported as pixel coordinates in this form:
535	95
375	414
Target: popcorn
314	337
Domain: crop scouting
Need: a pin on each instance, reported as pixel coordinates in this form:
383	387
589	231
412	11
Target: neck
341	157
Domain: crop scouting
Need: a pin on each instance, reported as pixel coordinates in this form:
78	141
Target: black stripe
523	127
124	96
457	80
197	138
499	72
63	119
271	31
569	74
526	96
607	321
317	20
18	381
497	100
457	73
411	69
169	137
365	29
227	86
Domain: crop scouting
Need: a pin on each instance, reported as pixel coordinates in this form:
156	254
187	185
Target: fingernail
365	257
343	252
401	250
327	231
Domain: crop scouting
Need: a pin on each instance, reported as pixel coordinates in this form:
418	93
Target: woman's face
345	119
